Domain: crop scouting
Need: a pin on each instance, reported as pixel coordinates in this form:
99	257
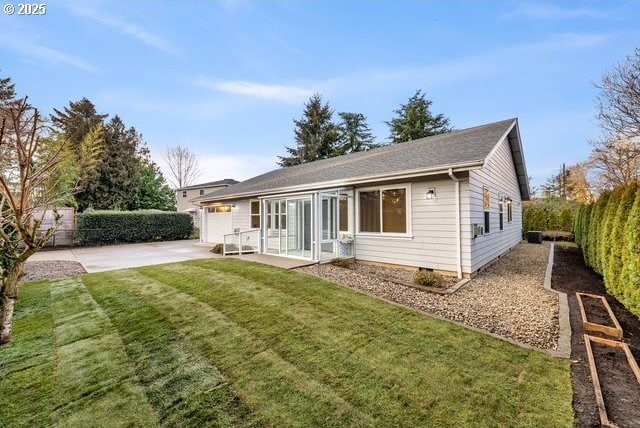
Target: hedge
110	227
608	232
550	215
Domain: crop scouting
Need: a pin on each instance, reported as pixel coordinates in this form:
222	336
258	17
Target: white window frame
184	193
407	188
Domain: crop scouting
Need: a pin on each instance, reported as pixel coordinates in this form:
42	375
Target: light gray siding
432	243
240	218
498	175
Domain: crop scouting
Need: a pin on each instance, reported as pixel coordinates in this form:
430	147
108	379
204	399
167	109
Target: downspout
458	231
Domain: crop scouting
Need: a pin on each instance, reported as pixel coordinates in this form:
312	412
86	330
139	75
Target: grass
230	343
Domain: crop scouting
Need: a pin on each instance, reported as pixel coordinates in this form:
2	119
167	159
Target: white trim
408	207
458	224
500	141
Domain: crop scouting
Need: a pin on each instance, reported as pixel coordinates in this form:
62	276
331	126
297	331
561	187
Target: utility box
534	237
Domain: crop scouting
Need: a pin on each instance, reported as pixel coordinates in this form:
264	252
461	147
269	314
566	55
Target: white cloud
279	93
146	37
552	12
45	53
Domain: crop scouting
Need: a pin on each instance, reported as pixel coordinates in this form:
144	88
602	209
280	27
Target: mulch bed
570	275
596	311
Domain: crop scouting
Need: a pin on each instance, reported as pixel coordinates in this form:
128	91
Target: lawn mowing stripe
95	385
181	385
27	364
279	391
300	336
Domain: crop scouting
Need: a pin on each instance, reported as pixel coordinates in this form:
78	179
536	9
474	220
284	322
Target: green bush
614	264
110	227
606	228
548	214
630	295
430	279
608	232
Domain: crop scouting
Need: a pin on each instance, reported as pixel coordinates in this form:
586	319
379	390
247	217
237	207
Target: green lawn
230	343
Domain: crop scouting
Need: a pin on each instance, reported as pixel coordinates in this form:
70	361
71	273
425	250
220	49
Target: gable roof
459	150
225	182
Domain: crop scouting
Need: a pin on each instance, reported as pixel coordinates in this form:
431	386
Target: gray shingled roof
458	149
225	182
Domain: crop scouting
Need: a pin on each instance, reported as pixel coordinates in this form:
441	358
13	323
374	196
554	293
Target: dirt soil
570	275
596	311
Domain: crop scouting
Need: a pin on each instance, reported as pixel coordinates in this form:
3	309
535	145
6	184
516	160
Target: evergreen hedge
110	227
548	215
608	232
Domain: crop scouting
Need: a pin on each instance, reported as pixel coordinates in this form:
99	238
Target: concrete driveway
111	257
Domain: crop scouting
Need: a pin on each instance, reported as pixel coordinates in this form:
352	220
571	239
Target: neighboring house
449	203
185	196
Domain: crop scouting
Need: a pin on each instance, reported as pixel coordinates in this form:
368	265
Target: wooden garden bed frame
591	327
602	410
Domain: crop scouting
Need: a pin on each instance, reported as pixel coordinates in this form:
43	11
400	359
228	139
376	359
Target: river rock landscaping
507	298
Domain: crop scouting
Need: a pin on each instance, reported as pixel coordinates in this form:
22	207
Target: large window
255	214
383	211
344	213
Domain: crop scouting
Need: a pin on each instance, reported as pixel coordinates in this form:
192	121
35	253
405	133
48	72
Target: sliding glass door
289	227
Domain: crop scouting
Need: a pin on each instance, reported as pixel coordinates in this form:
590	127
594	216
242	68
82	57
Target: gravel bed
51	269
507	298
398	274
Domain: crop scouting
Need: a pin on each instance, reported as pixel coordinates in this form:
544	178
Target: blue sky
227	77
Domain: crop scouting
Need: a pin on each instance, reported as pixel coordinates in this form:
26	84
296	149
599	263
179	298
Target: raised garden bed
613	370
597	316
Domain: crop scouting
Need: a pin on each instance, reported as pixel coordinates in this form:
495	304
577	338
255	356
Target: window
501	212
487	210
219	209
509	210
383	211
201	192
184	193
343	225
255	214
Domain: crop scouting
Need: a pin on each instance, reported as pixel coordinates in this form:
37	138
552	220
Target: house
450	203
185	195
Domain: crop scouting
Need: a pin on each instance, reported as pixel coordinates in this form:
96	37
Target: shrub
110	227
630	295
595	231
343	263
608	217
548	214
430	279
613	270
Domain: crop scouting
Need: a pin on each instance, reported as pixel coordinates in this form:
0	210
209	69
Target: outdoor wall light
431	194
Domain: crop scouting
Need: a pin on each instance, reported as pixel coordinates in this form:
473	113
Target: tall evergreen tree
152	190
316	135
414	120
355	134
118	173
7	90
77	120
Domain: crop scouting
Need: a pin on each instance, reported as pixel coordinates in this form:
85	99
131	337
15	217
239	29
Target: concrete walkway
277	261
112	257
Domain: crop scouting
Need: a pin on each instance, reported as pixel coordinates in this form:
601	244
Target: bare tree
619	99
182	165
616	161
28	188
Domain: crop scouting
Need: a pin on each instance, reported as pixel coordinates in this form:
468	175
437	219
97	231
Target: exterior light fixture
431	194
